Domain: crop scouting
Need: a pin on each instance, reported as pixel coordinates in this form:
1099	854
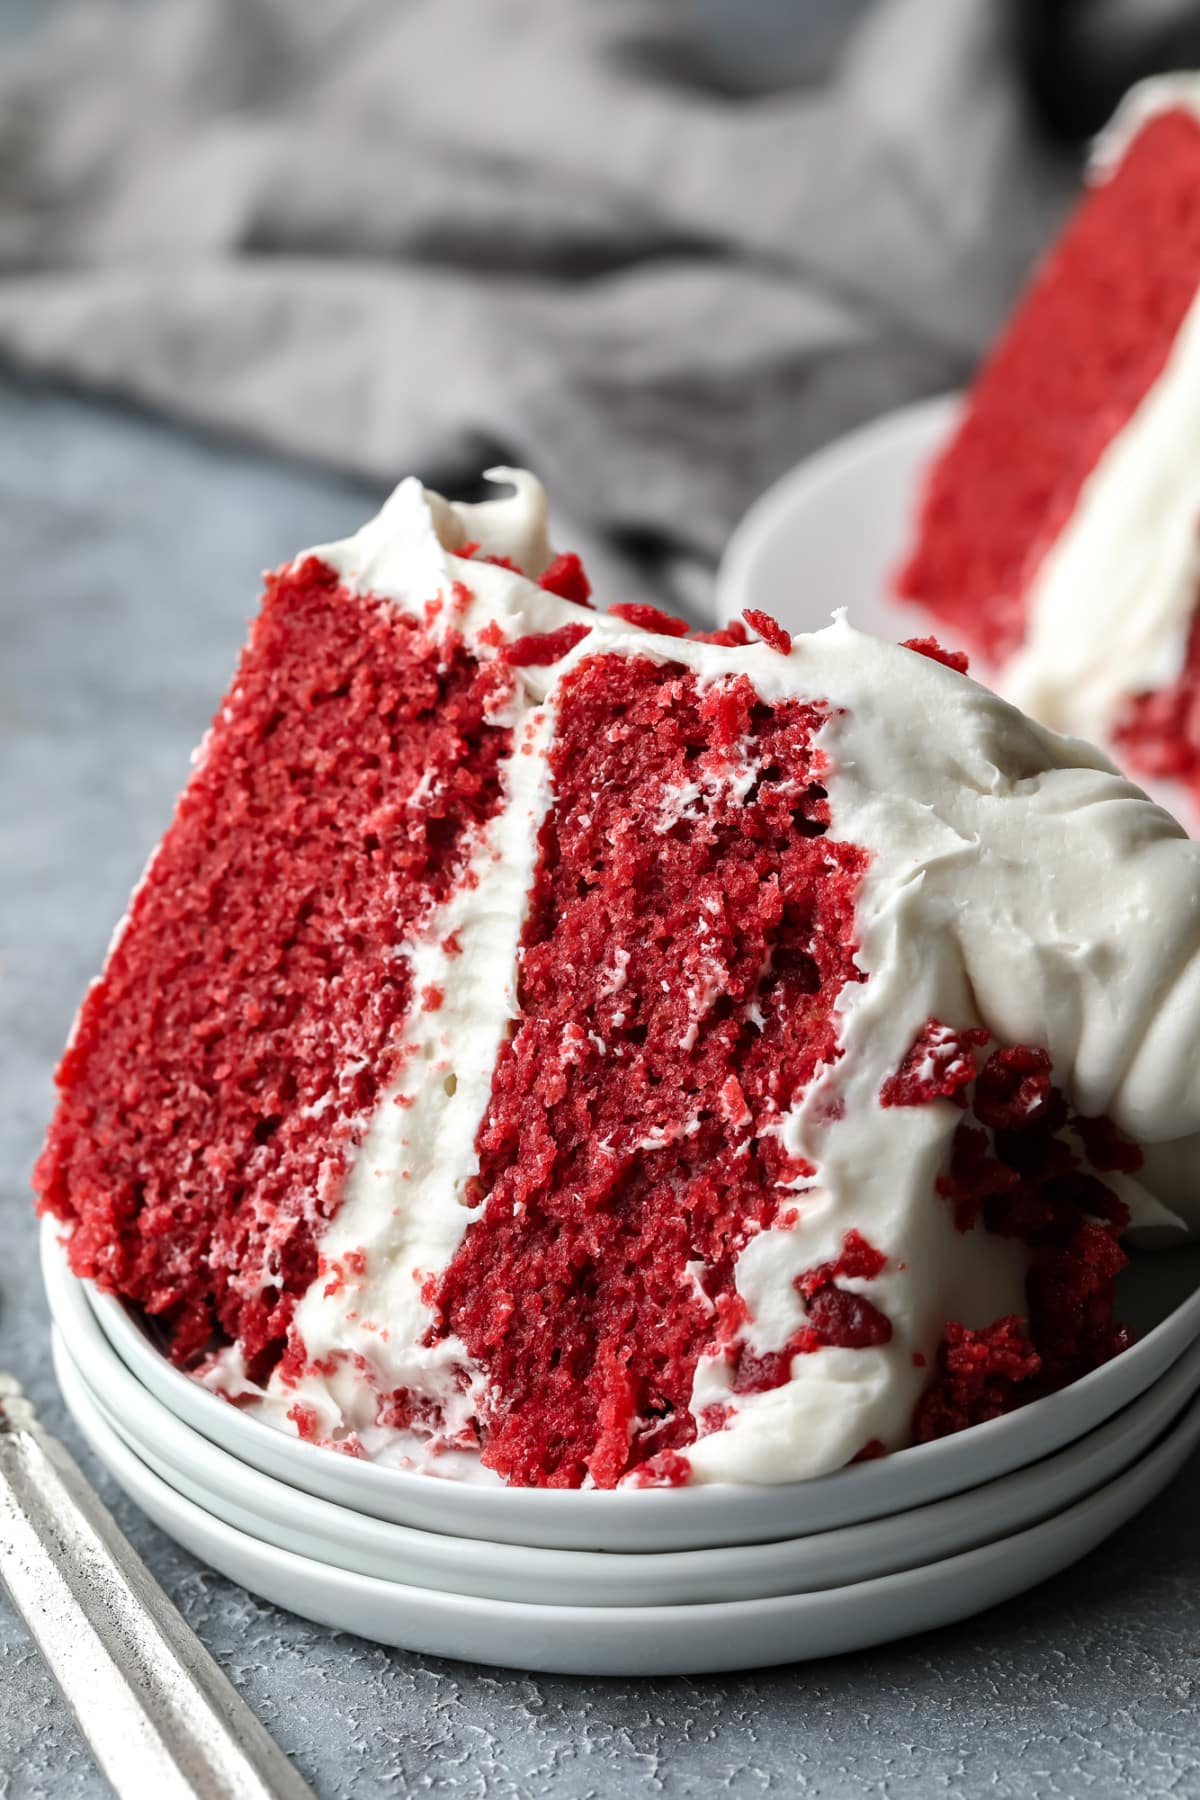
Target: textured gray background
129	557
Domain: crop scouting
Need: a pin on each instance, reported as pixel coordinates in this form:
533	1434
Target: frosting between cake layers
404	1209
1016	880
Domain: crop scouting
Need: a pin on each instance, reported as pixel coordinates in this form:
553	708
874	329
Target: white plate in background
832	532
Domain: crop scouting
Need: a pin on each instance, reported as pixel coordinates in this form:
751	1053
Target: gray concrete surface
129	557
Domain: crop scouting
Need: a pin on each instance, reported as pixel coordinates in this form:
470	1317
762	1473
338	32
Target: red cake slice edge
1088	340
222	1069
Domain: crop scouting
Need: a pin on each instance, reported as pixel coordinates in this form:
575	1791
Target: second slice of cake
1059	534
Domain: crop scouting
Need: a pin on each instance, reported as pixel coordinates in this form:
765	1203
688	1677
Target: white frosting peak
1178	91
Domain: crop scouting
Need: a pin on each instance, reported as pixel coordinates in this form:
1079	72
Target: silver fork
159	1715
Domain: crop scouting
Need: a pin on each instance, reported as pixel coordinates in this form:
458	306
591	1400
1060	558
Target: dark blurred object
761	46
1079	56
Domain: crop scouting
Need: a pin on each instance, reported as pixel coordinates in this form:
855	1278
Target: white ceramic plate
680	1518
647	1640
268	1509
833	531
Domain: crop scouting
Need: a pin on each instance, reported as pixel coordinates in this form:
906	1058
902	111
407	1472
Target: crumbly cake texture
687	940
1056	534
549	1040
251	1013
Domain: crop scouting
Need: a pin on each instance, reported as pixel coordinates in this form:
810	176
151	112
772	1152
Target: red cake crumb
469	553
836	1318
1071	1304
847	1320
537	649
336	1274
713	1417
348	1446
1105	1147
871	1451
1015	1173
859	1261
1091	336
405	1410
769	630
930	647
975	1176
567	578
733	635
604	1173
207	1101
939	1064
981	1374
306	1421
758	1371
650	618
668	1469
1015	1090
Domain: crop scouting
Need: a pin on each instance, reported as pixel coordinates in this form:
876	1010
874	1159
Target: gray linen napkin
425	235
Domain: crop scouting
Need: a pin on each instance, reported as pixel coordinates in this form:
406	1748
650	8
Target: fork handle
159	1715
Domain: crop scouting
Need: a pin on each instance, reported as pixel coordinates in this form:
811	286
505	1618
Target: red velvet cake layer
1091	336
248	1019
688	937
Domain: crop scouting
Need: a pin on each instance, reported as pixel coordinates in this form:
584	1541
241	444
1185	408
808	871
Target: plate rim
611	1636
1113	1446
636	1519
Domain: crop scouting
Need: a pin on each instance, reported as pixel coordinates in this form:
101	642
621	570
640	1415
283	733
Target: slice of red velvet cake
1058	534
549	1038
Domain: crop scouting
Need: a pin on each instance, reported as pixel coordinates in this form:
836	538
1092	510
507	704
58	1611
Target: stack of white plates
660	1581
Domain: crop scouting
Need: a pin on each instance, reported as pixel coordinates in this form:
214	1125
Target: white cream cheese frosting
1177	91
1015	881
1111	602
